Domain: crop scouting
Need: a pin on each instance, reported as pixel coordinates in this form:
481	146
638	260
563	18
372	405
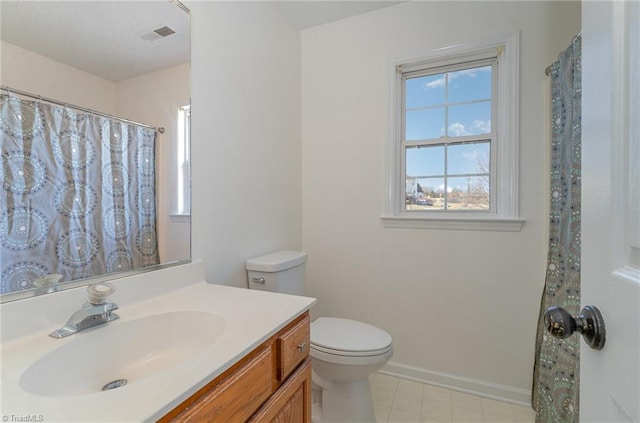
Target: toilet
343	352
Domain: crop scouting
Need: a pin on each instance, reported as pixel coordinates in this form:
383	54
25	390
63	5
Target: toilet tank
282	272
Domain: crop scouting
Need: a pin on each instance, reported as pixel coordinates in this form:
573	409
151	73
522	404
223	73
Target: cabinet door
292	402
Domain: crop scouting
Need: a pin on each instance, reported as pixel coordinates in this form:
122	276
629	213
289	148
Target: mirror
90	189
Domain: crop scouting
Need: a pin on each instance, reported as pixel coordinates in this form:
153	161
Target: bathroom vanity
187	350
270	384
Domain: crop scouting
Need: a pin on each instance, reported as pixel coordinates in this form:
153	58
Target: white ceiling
110	45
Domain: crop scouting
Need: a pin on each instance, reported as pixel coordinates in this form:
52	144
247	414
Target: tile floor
400	400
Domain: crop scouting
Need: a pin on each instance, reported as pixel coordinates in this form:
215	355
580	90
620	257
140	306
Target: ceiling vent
157	33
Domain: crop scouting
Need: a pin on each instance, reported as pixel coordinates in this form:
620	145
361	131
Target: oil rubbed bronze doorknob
589	323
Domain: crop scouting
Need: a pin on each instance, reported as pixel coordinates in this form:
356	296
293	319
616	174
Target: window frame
183	165
504	215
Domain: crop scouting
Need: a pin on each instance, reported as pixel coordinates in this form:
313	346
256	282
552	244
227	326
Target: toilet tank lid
276	262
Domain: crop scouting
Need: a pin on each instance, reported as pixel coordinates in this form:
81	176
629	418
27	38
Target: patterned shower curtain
78	194
556	370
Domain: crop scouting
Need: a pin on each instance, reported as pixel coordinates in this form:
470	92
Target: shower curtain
556	370
78	194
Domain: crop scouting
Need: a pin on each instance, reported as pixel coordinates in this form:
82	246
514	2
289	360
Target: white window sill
180	218
448	223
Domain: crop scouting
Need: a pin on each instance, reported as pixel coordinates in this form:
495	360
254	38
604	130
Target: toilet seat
351	353
348	338
350	360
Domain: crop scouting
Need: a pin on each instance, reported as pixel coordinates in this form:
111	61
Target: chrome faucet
95	311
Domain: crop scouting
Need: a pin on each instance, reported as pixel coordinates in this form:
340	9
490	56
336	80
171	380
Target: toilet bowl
343	352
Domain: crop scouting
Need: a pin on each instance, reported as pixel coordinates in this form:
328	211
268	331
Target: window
453	145
447	138
183	203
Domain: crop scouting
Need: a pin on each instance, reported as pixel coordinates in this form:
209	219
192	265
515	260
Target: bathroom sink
116	354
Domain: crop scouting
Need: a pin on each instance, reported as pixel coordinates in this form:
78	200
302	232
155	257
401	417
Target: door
610	270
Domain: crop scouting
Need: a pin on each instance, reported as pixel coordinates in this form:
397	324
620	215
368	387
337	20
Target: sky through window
448	115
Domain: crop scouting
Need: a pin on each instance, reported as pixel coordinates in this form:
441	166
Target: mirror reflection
94	139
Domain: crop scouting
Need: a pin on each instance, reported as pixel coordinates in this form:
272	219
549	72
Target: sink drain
114	384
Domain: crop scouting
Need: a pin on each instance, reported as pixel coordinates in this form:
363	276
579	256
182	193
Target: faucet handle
99	291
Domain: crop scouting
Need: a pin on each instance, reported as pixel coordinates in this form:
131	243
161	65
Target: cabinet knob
302	346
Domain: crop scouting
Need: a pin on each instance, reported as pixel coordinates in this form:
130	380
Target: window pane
425	161
470	84
469	119
424	194
468	158
424	124
424	91
468	193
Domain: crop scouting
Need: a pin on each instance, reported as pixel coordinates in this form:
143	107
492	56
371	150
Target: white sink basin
131	351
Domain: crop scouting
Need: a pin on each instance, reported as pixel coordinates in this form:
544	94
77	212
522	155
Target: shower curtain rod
547	71
82	109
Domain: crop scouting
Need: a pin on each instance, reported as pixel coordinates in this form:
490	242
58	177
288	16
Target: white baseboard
478	387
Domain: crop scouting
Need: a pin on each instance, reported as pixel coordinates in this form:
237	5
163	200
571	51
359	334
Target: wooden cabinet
292	402
270	384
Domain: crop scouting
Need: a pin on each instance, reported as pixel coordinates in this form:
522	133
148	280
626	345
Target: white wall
461	303
246	192
154	99
27	71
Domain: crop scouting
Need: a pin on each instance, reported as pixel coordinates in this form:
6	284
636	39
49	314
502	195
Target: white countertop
250	318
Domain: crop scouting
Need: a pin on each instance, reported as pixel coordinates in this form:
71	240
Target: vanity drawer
293	347
252	383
